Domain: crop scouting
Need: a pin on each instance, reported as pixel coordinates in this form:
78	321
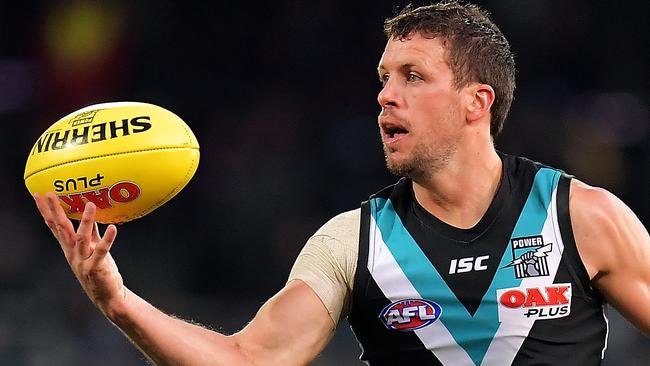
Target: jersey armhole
360	286
574	262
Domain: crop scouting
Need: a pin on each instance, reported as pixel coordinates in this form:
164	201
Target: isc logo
410	314
121	192
468	264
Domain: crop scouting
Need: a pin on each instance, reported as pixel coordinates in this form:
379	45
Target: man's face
421	119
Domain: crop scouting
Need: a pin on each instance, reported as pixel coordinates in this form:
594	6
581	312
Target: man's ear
479	101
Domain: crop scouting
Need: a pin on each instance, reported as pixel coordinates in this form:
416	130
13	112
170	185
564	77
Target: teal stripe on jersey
473	334
531	222
532	218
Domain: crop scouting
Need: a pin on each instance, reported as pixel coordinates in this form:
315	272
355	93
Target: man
474	258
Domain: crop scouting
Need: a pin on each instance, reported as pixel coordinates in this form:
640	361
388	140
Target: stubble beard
424	163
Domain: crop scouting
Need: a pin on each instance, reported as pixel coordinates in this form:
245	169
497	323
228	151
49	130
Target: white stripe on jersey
509	337
393	283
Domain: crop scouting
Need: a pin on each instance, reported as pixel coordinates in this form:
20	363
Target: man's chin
398	168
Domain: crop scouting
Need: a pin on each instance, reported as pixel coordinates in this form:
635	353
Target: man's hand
87	253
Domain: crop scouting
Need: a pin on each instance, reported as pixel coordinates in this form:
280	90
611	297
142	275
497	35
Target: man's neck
461	193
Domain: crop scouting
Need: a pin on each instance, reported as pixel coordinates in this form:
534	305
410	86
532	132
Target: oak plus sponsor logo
530	256
538	303
410	314
103	197
74	184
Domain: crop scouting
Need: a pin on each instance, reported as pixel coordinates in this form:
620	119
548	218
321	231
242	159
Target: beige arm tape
328	262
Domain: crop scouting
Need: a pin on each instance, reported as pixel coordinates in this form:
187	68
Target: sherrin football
128	158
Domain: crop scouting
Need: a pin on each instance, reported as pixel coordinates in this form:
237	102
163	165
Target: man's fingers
96	236
43	208
86	243
83	237
40	203
104	245
56	219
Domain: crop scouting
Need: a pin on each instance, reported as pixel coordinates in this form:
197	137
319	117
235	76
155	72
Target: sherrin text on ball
128	158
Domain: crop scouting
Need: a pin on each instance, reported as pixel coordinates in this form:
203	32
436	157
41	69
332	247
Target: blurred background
282	97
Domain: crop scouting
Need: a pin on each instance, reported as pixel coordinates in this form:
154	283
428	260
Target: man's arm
615	248
290	329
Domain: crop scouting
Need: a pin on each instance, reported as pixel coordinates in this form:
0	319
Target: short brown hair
477	50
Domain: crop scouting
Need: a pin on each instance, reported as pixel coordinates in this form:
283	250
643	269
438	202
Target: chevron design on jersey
402	270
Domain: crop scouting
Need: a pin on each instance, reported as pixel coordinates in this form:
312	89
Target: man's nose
389	95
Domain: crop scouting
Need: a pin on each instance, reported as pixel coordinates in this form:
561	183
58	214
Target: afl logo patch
410	314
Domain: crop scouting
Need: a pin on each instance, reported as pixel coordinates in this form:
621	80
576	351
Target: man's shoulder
341	225
347	224
518	163
602	224
595	208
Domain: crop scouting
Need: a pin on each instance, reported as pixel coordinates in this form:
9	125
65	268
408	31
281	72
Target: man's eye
413	77
383	79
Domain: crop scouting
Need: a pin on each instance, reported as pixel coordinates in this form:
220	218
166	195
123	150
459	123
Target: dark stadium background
282	97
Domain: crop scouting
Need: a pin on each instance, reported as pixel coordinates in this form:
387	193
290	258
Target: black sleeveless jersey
512	290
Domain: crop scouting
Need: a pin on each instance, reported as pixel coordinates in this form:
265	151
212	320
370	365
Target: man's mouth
394	131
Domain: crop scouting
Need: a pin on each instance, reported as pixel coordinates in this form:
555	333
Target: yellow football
128	158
